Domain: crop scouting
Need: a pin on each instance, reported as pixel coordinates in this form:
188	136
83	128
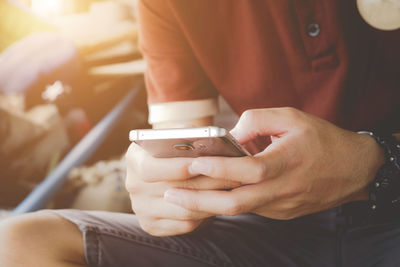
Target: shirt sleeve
173	73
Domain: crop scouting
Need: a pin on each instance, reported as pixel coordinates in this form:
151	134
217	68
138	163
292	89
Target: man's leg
373	245
42	239
115	239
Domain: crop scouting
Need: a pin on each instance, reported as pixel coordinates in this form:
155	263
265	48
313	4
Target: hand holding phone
158	160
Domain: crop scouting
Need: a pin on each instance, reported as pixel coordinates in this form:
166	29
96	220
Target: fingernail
173	197
200	167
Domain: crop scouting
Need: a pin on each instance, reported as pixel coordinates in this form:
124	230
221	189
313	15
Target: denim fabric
329	238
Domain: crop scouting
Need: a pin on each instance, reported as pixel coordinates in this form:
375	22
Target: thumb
264	122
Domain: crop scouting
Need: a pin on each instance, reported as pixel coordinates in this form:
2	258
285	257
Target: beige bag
31	144
97	187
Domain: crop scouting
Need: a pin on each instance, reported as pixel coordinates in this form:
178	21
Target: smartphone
188	142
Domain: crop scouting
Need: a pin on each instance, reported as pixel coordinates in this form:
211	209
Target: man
302	201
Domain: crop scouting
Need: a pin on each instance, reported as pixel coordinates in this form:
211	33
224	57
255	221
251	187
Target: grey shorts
324	239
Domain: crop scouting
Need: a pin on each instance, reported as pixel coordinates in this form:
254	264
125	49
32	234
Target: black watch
384	191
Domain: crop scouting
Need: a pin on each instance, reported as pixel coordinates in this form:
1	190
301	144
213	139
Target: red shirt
315	55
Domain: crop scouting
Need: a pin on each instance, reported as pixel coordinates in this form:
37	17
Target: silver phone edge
212	131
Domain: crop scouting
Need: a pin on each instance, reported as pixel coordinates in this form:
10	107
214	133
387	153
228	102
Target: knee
38	234
12	236
18	235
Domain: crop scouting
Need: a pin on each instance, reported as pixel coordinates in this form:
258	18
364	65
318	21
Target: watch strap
384	191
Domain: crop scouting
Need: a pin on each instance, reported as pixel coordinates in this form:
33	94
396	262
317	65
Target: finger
241	200
137	187
204	183
152	169
168	227
247	170
158	209
263	122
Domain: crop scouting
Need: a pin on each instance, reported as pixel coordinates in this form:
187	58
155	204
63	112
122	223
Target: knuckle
156	228
189	184
291	112
152	231
193	204
130	154
291	191
136	161
281	214
220	171
235	208
188	226
186	214
293	116
131	185
183	172
134	208
260	172
289	206
148	225
128	186
286	216
308	130
249	115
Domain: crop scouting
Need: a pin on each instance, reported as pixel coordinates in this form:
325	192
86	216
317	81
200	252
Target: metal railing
49	187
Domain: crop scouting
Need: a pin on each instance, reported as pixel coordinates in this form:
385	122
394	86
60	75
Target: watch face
380	14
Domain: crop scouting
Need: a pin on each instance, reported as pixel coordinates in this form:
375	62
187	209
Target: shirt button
313	30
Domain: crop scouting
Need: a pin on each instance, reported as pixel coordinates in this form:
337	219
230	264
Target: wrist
375	157
372	158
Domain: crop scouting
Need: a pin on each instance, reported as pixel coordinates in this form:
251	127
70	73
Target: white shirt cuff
182	110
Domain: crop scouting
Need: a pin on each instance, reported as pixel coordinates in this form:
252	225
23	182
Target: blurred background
64	66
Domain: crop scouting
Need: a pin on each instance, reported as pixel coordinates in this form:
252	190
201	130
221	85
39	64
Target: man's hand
147	180
311	165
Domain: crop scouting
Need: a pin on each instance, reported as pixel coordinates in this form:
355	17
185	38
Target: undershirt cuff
182	110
